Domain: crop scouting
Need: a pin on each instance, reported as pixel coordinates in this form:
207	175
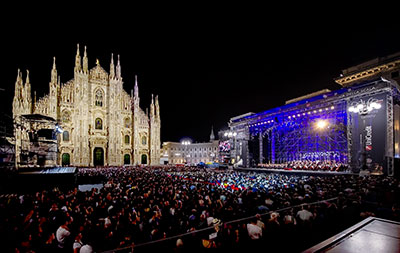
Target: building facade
190	153
102	124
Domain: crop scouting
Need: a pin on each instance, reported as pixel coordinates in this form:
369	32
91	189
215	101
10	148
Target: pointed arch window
99	98
98	123
65	136
127	122
126	139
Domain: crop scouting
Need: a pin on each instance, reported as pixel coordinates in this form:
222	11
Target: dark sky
205	68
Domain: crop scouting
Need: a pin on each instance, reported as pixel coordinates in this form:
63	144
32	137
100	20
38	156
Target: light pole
230	135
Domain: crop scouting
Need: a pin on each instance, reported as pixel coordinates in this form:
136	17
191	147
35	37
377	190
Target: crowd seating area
198	208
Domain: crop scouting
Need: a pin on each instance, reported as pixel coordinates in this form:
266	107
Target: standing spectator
77	243
63	233
255	232
304	215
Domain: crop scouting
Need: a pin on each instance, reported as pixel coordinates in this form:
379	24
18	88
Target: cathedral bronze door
144	159
98	156
127	159
65	159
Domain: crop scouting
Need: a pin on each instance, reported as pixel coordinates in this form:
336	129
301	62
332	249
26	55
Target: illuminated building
101	123
186	152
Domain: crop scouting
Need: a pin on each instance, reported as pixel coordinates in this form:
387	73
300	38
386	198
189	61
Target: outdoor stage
353	127
299	172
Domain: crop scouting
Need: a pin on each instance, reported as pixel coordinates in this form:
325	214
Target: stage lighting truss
317	133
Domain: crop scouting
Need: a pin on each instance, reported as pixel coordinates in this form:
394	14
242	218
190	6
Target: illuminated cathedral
102	125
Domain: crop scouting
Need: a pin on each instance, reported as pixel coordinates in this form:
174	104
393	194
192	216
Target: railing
131	248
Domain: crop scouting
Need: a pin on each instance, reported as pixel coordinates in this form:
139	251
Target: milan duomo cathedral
101	123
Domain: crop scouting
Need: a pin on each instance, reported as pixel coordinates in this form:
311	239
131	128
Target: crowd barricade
201	238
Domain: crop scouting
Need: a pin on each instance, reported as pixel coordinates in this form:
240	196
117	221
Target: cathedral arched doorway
98	157
65	159
144	159
127	159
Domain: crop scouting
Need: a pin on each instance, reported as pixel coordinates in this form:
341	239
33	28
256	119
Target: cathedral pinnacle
118	71
136	88
54	72
27	76
85	62
157	108
77	60
112	68
54	62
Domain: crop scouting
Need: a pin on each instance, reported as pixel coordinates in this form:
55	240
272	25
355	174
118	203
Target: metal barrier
131	248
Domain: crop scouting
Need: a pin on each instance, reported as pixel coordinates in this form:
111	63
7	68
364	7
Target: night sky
205	68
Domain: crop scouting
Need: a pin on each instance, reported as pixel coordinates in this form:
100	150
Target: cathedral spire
54	72
118	70
28	96
212	137
85	62
112	67
136	89
157	108
17	94
17	90
152	107
77	60
27	77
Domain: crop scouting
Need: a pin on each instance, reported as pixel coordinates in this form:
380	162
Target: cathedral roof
98	72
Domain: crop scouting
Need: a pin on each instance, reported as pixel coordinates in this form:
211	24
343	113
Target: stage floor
308	172
370	235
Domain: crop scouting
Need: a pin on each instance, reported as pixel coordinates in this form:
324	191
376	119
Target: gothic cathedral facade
102	124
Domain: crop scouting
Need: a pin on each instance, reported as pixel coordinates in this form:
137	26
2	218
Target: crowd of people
308	165
228	210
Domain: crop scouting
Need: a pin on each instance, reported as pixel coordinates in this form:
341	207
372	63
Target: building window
66	116
98	124
65	136
126	139
127	122
99	98
144	140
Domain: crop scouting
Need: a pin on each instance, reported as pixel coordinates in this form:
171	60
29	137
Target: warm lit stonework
102	123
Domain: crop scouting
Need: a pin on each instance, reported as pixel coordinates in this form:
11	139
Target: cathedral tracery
99	97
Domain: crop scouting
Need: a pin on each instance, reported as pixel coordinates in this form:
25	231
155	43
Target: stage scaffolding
320	128
35	141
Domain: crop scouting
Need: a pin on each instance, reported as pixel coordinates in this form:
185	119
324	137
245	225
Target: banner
368	131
